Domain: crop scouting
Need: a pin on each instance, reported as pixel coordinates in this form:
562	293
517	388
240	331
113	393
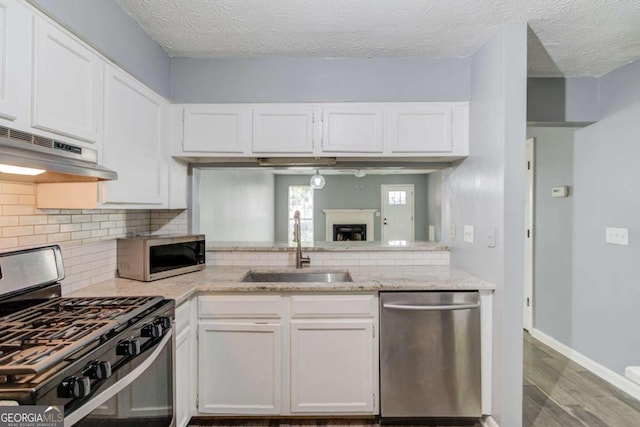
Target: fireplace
349	232
363	218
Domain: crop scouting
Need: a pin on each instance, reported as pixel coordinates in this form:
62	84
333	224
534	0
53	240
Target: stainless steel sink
295	276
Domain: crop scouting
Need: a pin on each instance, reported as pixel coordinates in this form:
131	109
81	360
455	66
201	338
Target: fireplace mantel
349	216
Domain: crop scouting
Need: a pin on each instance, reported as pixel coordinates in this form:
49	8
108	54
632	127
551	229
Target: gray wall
235	205
619	89
434	203
487	191
553	230
559	100
348	192
319	79
107	27
605	311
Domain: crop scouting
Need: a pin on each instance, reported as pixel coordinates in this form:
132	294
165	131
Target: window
397	197
301	199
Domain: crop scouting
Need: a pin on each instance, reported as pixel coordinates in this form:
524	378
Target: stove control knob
164	322
128	348
97	370
74	387
152	330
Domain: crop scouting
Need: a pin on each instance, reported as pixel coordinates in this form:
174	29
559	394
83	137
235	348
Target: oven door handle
116	388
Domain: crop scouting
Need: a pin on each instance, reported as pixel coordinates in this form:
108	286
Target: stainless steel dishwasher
430	355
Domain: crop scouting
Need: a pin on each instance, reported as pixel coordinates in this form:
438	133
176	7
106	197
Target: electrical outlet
617	236
452	232
432	233
468	233
491	237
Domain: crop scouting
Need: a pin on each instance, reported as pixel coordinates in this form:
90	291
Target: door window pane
397	197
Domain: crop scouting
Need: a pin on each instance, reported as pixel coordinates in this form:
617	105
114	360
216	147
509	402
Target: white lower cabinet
332	366
183	383
287	354
185	363
240	365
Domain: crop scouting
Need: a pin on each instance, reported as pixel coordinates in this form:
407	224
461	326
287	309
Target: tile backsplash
87	237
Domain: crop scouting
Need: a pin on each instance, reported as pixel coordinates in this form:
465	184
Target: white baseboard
603	372
489	421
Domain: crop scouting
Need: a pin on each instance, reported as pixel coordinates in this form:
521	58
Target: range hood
60	161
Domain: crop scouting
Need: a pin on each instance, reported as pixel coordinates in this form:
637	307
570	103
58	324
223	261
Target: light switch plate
432	233
468	233
452	232
617	236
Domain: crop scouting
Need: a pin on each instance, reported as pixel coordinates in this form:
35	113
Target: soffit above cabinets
567	37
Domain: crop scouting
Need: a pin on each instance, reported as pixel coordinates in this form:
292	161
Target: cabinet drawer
333	305
183	316
240	306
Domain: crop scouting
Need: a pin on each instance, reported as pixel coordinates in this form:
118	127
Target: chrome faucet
300	260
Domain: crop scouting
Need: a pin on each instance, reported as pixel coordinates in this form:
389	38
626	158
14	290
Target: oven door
141	394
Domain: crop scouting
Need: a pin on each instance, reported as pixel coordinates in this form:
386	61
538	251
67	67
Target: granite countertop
350	246
227	279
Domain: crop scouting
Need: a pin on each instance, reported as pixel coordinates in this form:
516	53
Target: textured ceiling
568	37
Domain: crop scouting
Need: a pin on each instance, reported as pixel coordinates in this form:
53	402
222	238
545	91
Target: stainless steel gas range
107	361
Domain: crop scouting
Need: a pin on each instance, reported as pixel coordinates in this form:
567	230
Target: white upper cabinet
67	84
133	144
436	130
420	128
15	45
353	128
283	129
217	128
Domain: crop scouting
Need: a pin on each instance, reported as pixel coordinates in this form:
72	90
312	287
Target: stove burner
34	339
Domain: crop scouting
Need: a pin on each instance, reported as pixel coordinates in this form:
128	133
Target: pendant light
317	181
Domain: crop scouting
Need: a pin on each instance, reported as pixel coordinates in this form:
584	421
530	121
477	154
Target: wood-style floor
559	392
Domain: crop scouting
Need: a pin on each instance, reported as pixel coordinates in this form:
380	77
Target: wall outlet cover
491	237
468	233
452	232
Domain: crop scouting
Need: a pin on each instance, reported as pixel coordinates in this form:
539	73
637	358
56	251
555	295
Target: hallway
559	392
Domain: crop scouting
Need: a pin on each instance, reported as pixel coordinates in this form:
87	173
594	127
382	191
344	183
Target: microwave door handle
116	388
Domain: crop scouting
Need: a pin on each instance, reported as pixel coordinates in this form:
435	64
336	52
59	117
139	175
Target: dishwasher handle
447	307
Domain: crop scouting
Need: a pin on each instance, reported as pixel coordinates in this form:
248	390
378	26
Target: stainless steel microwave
148	258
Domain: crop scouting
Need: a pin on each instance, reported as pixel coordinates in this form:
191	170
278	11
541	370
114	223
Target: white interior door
528	243
397	212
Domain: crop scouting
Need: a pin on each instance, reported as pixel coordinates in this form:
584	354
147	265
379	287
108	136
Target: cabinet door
283	129
420	128
183	377
133	145
15	46
240	368
217	128
332	366
352	129
67	84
